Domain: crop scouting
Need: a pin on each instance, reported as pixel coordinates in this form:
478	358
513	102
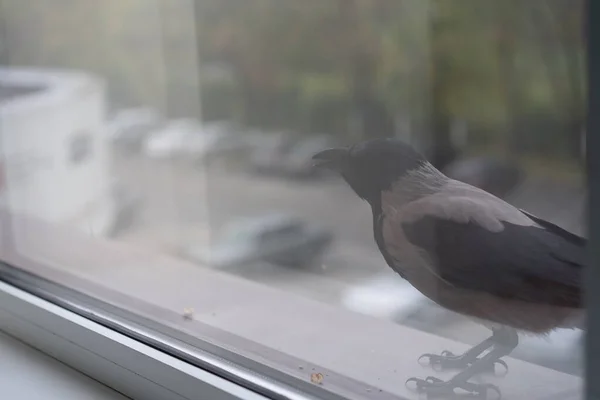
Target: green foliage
315	65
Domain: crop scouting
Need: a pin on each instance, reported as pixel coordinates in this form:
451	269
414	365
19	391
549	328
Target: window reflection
189	130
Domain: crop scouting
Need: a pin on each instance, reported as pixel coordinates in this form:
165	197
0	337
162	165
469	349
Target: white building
55	158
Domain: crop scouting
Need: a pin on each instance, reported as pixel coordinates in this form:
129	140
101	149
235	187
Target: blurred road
184	204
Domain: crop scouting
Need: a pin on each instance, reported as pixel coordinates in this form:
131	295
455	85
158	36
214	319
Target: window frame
118	361
69	325
592	148
130	323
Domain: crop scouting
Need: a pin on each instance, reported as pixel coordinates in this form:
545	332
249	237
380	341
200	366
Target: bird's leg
434	387
448	360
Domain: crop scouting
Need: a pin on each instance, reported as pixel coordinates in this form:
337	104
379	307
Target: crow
467	250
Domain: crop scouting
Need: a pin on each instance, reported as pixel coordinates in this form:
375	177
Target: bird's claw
447	360
436	388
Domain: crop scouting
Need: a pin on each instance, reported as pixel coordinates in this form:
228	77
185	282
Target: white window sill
121	363
376	353
29	374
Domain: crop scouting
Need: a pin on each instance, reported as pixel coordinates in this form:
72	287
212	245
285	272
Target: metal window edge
126	365
243	369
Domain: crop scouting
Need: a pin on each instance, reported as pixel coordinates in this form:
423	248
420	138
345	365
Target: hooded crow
466	250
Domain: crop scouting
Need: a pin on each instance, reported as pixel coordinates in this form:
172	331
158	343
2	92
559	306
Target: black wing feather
557	230
530	264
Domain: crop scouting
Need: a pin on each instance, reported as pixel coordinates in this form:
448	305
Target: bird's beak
332	159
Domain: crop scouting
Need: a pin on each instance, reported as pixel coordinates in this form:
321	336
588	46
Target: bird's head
371	167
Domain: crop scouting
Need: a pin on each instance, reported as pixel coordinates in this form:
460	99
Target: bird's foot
448	360
435	388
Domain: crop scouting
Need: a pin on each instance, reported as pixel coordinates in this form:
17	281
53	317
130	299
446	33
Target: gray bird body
468	251
493	291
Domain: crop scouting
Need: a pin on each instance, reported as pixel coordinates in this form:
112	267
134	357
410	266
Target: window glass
189	129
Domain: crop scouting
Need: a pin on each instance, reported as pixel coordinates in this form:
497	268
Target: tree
512	70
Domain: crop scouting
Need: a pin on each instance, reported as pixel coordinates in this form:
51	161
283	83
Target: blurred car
390	297
269	152
386	296
129	128
284	156
218	143
224	127
129	117
178	137
188	139
298	161
277	239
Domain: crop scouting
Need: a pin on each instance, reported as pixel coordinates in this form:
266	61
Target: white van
54	152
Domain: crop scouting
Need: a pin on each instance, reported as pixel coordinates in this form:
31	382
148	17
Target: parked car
277	239
218	143
290	158
129	128
390	297
177	138
224	127
298	161
269	152
187	139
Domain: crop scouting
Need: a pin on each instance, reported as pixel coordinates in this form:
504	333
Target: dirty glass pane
166	150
